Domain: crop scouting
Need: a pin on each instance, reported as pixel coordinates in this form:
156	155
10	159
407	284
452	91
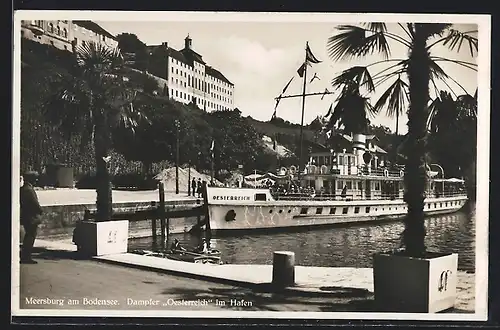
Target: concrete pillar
283	269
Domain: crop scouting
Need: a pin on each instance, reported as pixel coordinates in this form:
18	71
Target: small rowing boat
211	257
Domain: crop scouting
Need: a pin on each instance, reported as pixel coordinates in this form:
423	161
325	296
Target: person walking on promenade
199	188
193	186
30	211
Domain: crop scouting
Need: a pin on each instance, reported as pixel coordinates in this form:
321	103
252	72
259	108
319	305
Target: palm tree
90	99
352	109
420	69
453	122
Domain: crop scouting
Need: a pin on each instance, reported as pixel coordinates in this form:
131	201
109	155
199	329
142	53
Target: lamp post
177	124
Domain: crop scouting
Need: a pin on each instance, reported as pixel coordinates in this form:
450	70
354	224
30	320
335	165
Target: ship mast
309	58
302	115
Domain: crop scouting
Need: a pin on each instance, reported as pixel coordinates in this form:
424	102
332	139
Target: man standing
30	212
193	186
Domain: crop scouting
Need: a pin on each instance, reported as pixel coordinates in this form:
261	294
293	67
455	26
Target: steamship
351	183
344	186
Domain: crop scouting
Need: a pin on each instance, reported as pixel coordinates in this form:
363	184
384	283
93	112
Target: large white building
66	35
189	79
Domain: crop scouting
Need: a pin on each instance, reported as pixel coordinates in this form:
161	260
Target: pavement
317	288
72	196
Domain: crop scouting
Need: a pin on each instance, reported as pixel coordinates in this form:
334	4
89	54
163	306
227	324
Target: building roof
217	74
192	56
188	56
89	25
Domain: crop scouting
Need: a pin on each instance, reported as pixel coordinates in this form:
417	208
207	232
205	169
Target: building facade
66	35
190	79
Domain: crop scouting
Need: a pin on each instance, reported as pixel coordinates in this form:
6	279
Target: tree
353	109
420	69
91	98
129	43
453	122
236	141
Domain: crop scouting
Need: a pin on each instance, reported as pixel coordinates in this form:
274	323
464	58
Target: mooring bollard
283	269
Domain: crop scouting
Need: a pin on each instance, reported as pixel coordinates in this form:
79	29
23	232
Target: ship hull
289	214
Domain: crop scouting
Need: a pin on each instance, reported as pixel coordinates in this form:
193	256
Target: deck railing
356	196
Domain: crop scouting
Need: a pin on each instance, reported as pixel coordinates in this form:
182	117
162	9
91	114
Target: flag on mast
310	56
315	77
212	149
302	69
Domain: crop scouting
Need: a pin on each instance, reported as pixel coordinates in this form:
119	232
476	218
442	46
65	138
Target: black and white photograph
250	165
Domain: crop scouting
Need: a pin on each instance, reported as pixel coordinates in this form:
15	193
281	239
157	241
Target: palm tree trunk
104	193
415	173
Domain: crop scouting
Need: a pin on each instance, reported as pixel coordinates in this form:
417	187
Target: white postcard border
483	129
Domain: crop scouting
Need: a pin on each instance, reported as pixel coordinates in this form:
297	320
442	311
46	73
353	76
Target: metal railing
376	195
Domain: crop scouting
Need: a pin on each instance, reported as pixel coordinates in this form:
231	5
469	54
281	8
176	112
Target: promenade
72	196
60	276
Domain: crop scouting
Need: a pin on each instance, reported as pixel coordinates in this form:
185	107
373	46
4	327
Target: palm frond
355	77
374	26
395	98
433	29
455	39
354	41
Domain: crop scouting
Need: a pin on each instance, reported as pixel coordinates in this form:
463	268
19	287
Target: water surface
341	246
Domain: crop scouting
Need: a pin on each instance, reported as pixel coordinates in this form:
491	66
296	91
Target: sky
259	58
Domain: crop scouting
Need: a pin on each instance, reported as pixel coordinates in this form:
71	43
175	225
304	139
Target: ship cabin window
446	204
319	210
344	210
360	185
340	184
341	160
310	183
367	209
434	205
356	209
260	197
428	206
349	185
303	210
332	210
440	204
376	185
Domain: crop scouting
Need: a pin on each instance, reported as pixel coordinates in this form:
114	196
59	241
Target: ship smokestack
359	147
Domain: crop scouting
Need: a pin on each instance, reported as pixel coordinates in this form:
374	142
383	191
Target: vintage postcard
250	165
